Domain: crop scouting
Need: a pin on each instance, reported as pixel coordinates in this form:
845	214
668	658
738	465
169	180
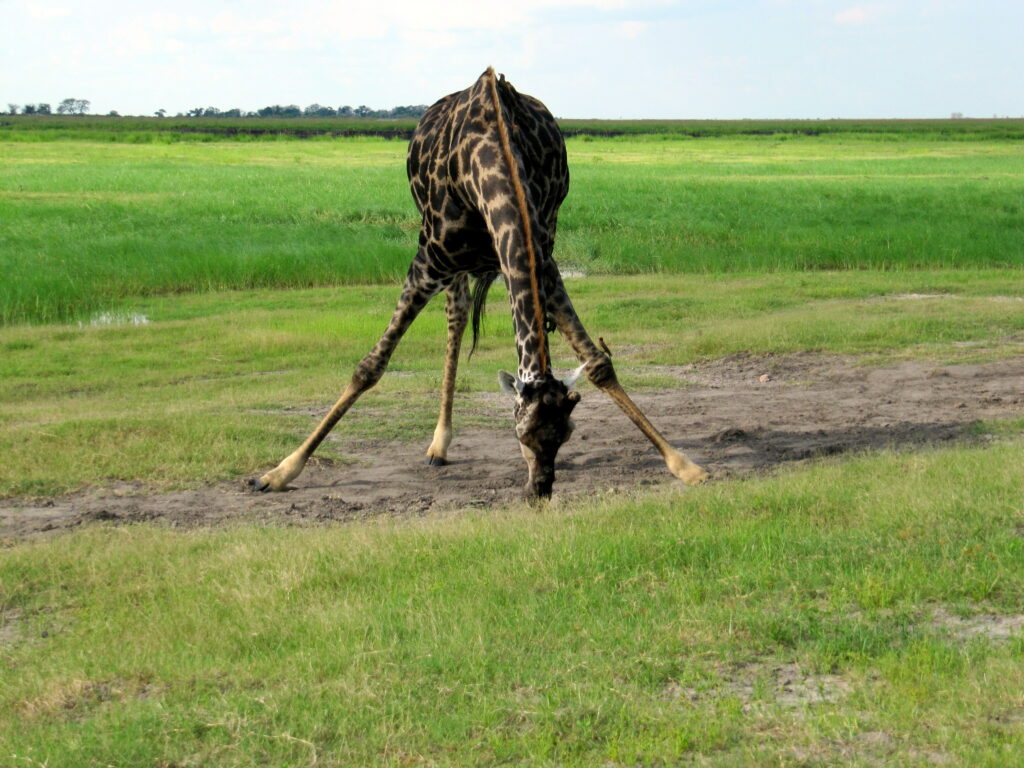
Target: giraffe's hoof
265	485
696	476
436	461
278	478
684	469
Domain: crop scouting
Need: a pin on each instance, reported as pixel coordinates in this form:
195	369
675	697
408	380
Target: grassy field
859	610
171	402
848	613
86	225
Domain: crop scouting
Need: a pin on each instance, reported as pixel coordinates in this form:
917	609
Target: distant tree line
66	107
81	107
313	110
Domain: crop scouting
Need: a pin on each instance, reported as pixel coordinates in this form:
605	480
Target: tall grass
85	225
770	204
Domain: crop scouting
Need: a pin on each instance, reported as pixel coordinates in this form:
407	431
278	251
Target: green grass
646	631
170	130
190	129
885	130
815	617
215	386
88	227
769	204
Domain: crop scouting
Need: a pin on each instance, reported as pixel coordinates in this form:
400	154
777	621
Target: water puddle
106	319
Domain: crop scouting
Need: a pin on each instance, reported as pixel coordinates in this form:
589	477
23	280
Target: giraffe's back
450	154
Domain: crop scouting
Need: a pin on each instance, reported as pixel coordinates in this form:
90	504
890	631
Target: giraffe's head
542	409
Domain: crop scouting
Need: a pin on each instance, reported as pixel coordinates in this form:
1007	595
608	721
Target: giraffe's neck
528	305
531	339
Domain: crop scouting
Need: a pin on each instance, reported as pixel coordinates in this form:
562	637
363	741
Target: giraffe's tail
481	285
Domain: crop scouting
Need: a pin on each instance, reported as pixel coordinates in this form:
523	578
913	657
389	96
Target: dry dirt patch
734	416
10	630
989	626
758	684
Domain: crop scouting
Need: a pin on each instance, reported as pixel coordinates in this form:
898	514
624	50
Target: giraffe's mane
524	215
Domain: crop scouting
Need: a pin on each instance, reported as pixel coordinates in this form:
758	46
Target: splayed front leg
416	293
602	375
291	467
677	463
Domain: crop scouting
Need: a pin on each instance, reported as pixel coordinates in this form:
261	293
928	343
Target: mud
735	416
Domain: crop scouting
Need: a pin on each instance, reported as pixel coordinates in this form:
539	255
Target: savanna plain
179	308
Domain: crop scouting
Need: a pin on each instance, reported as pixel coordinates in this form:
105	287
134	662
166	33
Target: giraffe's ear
570	380
509	383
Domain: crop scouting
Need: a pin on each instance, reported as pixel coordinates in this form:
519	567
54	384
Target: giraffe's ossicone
488	171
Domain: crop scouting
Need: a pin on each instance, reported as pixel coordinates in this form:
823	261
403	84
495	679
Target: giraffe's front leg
602	375
417	292
457	308
677	463
292	465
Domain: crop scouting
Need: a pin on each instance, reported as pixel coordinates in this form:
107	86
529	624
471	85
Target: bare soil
735	416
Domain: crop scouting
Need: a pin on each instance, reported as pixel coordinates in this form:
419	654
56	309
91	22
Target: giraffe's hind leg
601	373
415	295
457	308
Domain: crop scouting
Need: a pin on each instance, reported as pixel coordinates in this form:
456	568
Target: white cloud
424	40
858	14
125	29
631	30
42	12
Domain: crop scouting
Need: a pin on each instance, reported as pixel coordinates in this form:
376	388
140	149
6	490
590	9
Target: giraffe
487	169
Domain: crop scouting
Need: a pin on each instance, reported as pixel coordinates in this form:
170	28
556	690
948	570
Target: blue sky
583	58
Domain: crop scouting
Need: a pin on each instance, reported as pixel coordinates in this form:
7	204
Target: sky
675	59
